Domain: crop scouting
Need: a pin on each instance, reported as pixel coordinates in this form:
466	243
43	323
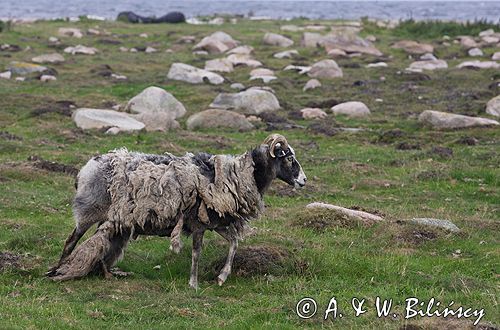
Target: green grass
364	169
438	29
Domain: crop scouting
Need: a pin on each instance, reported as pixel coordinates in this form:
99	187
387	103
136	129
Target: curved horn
272	140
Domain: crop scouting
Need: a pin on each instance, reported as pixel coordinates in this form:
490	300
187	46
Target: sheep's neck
264	172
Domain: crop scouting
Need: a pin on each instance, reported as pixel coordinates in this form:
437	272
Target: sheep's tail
103	249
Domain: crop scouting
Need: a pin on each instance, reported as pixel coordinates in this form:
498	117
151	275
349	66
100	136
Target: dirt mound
327	103
10	137
261	260
413	234
326	127
442	152
53	166
9	260
62	107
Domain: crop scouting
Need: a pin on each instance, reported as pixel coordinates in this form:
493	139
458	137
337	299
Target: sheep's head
287	167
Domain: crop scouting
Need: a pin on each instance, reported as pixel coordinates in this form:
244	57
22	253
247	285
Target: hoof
221	279
193	285
52	271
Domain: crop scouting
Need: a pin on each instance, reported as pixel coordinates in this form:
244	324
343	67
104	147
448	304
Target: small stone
79	49
274	39
311	84
251	101
219	65
143	35
123	49
243	50
377	65
20	78
97	118
493	106
336	53
53	39
193	75
286	54
444	224
6	75
475	52
428	57
48	58
133	50
47	78
70	32
313	113
150	50
353	214
237	86
419	66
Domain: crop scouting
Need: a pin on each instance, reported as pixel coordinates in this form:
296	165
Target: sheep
130	194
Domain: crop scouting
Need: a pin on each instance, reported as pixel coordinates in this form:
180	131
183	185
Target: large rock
243	59
156	100
364	217
23	68
351	109
479	65
428	65
493	106
274	39
219	65
97	118
443	120
467	42
326	69
157	121
311	40
193	75
444	224
349	43
48	58
70	32
413	47
253	101
216	43
80	49
225	38
214	118
496	56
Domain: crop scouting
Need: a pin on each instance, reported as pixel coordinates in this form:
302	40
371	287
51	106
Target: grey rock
193	75
274	39
326	69
351	109
252	101
48	58
311	84
97	118
479	65
475	52
156	100
286	54
413	47
443	120
419	66
24	68
353	214
493	106
219	65
444	224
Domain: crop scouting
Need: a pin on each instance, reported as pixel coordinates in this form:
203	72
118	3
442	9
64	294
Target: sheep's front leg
197	243
233	245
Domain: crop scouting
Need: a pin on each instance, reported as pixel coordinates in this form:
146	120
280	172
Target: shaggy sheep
129	194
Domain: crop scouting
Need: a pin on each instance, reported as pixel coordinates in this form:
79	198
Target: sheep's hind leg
175	237
197	243
233	245
70	245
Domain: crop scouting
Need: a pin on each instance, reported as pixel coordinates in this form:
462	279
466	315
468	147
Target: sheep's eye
289	159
